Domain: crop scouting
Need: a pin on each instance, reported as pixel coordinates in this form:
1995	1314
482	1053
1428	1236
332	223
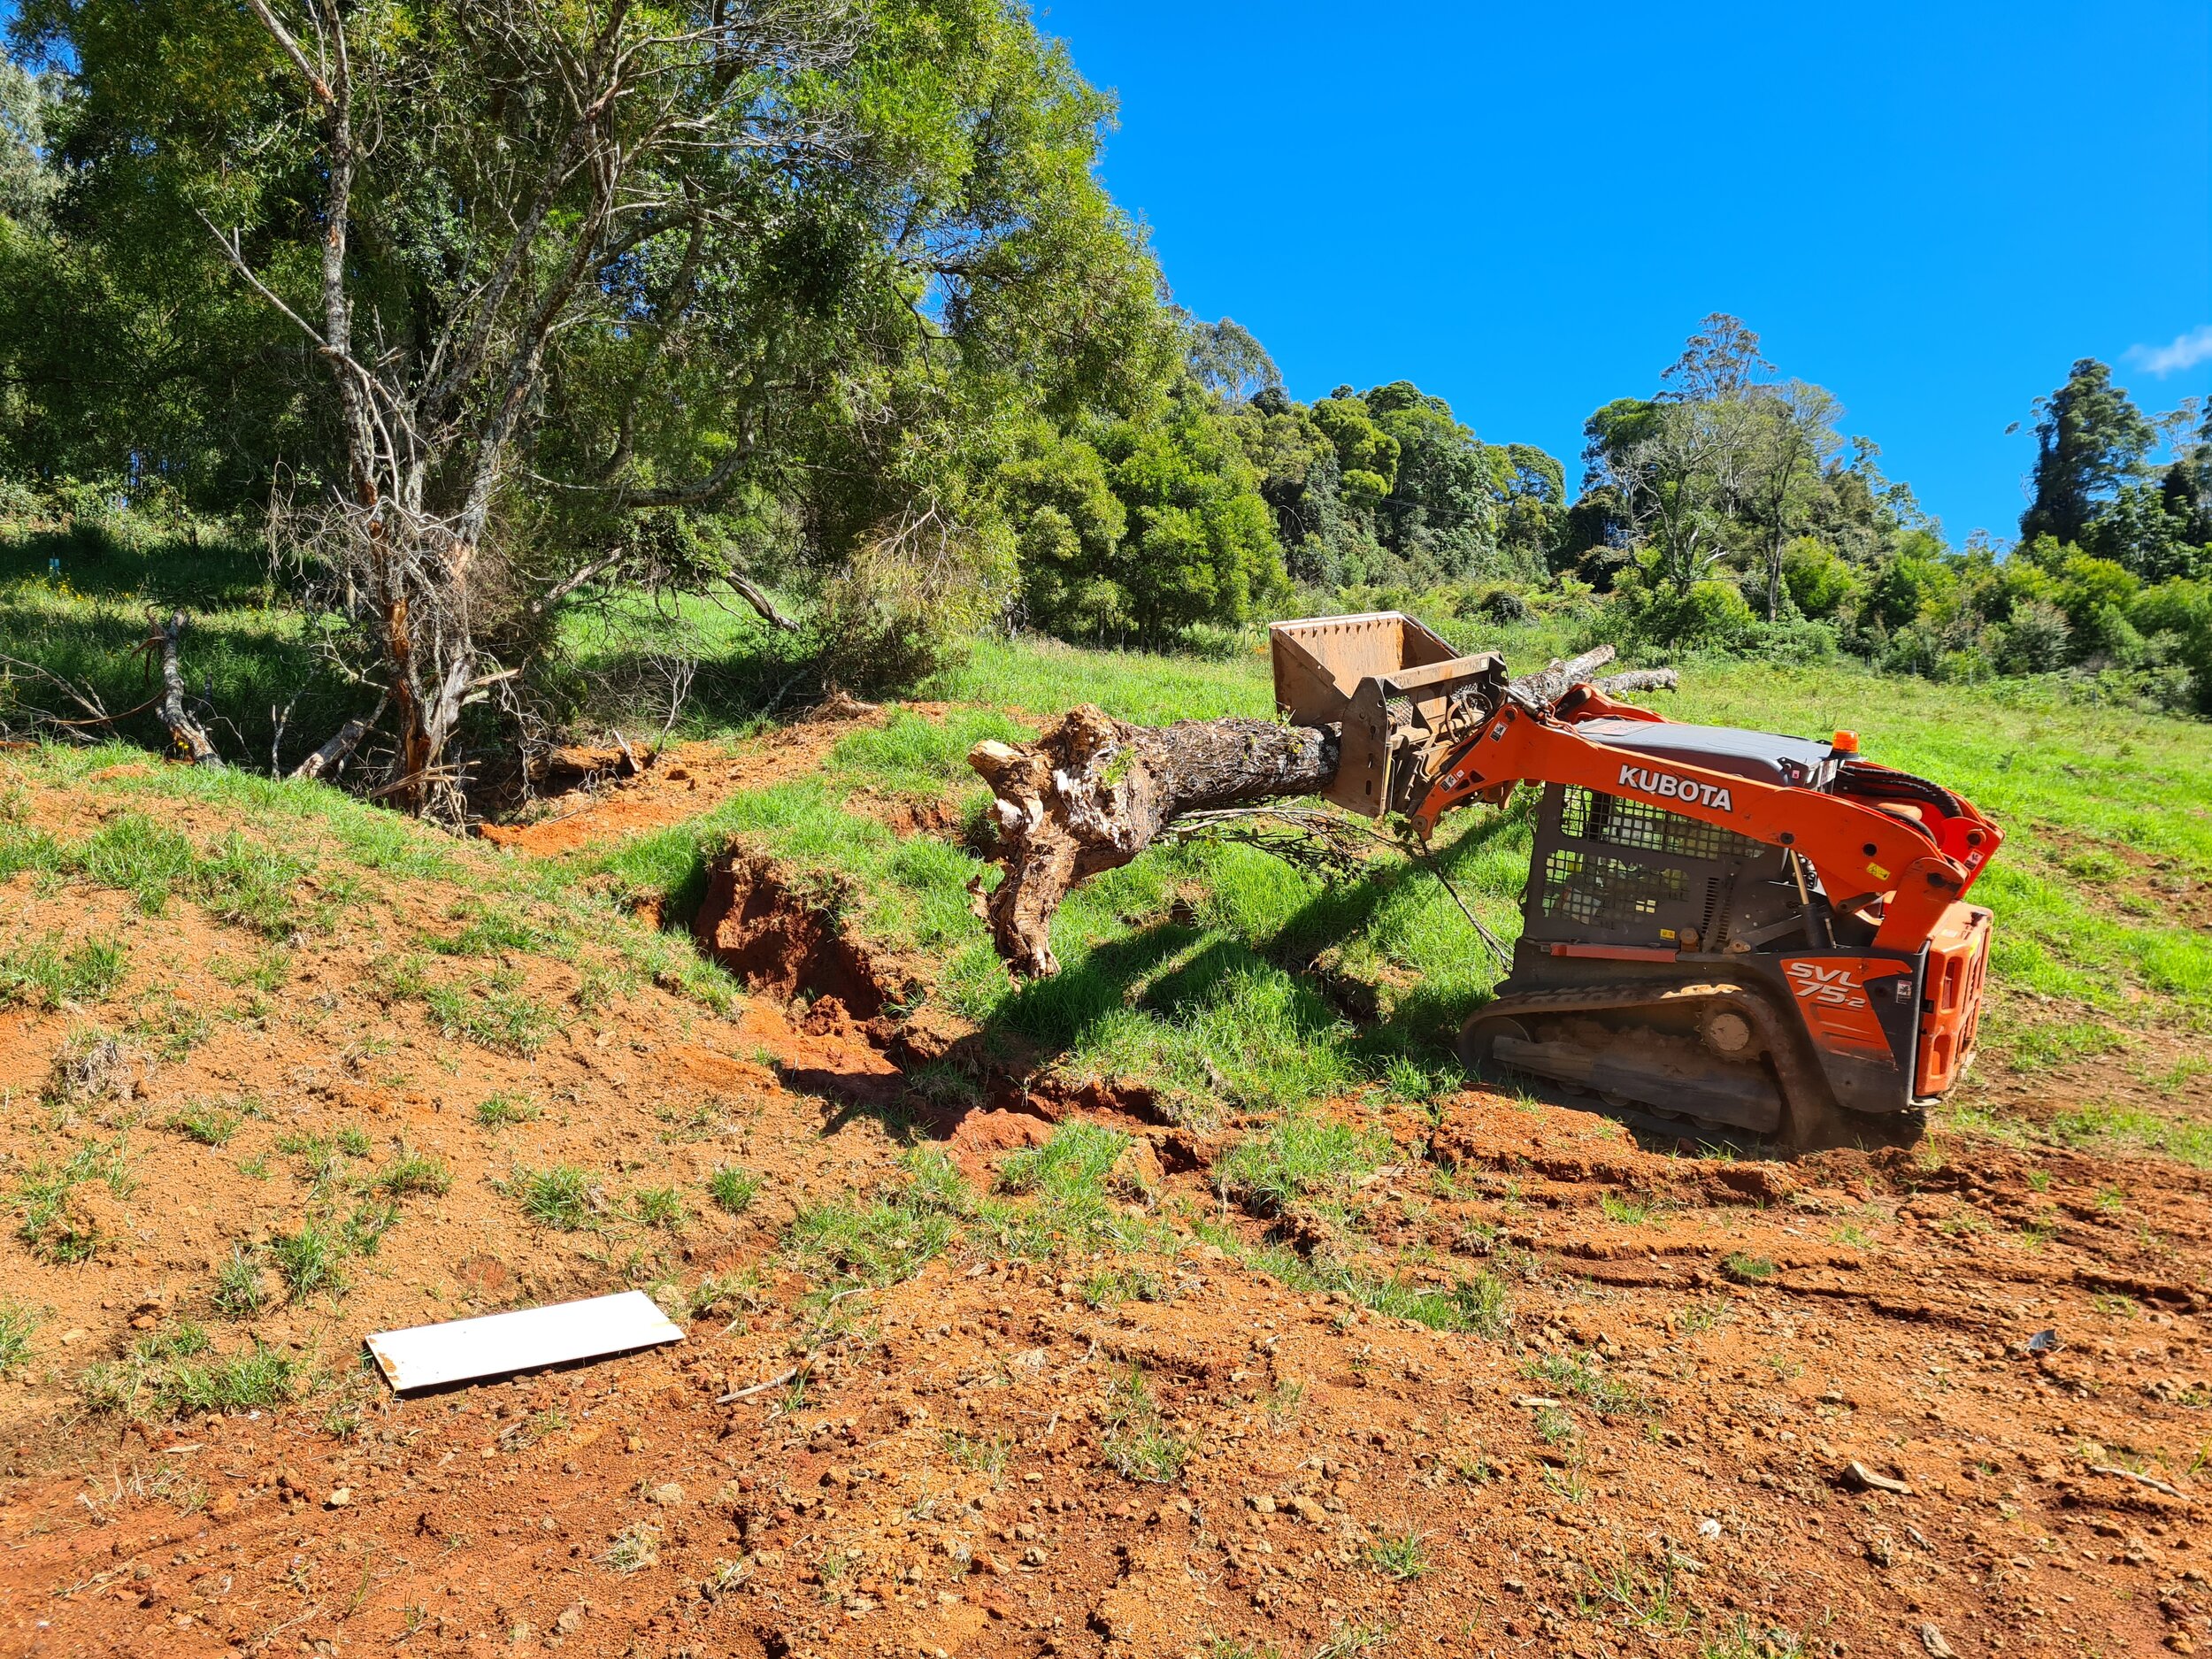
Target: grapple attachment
1398	695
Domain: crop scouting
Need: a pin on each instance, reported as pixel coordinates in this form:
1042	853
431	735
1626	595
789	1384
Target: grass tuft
635	1548
2187	1140
982	1455
409	1172
45	974
311	1260
1138	1443
501	1111
17	1325
1343	1642
238	1292
560	1197
733	1190
1747	1270
57	1230
893	1238
1563	1373
659	1207
1627	1210
1303	1156
168	1375
207	1122
1399	1555
492	1012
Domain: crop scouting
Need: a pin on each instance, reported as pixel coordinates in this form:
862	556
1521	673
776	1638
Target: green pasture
1228	980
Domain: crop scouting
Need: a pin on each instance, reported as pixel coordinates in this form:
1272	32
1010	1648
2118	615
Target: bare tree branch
341	743
190	738
574	580
289	44
760	602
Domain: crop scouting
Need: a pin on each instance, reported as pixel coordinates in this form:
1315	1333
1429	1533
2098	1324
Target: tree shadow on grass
1063	1011
728	694
73	601
1183	974
243	671
200	571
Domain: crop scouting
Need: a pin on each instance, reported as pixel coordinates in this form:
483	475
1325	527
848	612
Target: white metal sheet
459	1350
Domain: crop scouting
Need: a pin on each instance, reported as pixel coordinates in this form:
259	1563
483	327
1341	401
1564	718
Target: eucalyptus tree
1793	443
1680	472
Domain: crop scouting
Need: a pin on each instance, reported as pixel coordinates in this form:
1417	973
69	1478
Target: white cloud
2186	352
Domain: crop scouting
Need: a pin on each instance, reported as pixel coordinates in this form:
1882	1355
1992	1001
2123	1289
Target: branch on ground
340	748
190	738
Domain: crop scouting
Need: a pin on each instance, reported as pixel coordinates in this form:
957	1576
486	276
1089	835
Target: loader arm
1915	855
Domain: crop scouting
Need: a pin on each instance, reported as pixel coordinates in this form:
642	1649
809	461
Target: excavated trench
783	943
780	933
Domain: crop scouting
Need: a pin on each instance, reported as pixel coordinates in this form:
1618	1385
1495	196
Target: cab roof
1762	756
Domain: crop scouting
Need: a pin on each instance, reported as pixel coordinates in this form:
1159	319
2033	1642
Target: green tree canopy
2090	439
517	283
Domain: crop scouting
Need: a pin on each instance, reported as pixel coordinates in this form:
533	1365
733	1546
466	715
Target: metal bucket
1386	683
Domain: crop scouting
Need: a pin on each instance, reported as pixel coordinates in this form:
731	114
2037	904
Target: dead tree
561	147
187	735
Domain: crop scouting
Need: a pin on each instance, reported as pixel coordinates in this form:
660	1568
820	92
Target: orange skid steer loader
1721	928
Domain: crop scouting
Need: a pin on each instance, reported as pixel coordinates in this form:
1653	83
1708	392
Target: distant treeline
826	300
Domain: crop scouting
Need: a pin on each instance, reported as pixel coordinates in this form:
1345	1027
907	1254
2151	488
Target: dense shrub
2035	639
900	611
1819	581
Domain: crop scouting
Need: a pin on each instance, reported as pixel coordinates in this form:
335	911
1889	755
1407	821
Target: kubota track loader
1733	928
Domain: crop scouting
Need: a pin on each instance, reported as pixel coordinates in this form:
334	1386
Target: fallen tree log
1548	684
1638	680
1093	792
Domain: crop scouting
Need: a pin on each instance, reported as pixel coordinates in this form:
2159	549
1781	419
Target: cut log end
1094	792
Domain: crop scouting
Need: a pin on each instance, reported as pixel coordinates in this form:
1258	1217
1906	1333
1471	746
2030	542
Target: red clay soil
1717	1489
1737	1406
685	781
752	923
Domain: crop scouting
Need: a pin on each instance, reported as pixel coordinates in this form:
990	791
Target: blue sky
1929	209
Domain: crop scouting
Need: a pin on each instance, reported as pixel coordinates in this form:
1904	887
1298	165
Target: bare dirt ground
1732	1407
682	782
